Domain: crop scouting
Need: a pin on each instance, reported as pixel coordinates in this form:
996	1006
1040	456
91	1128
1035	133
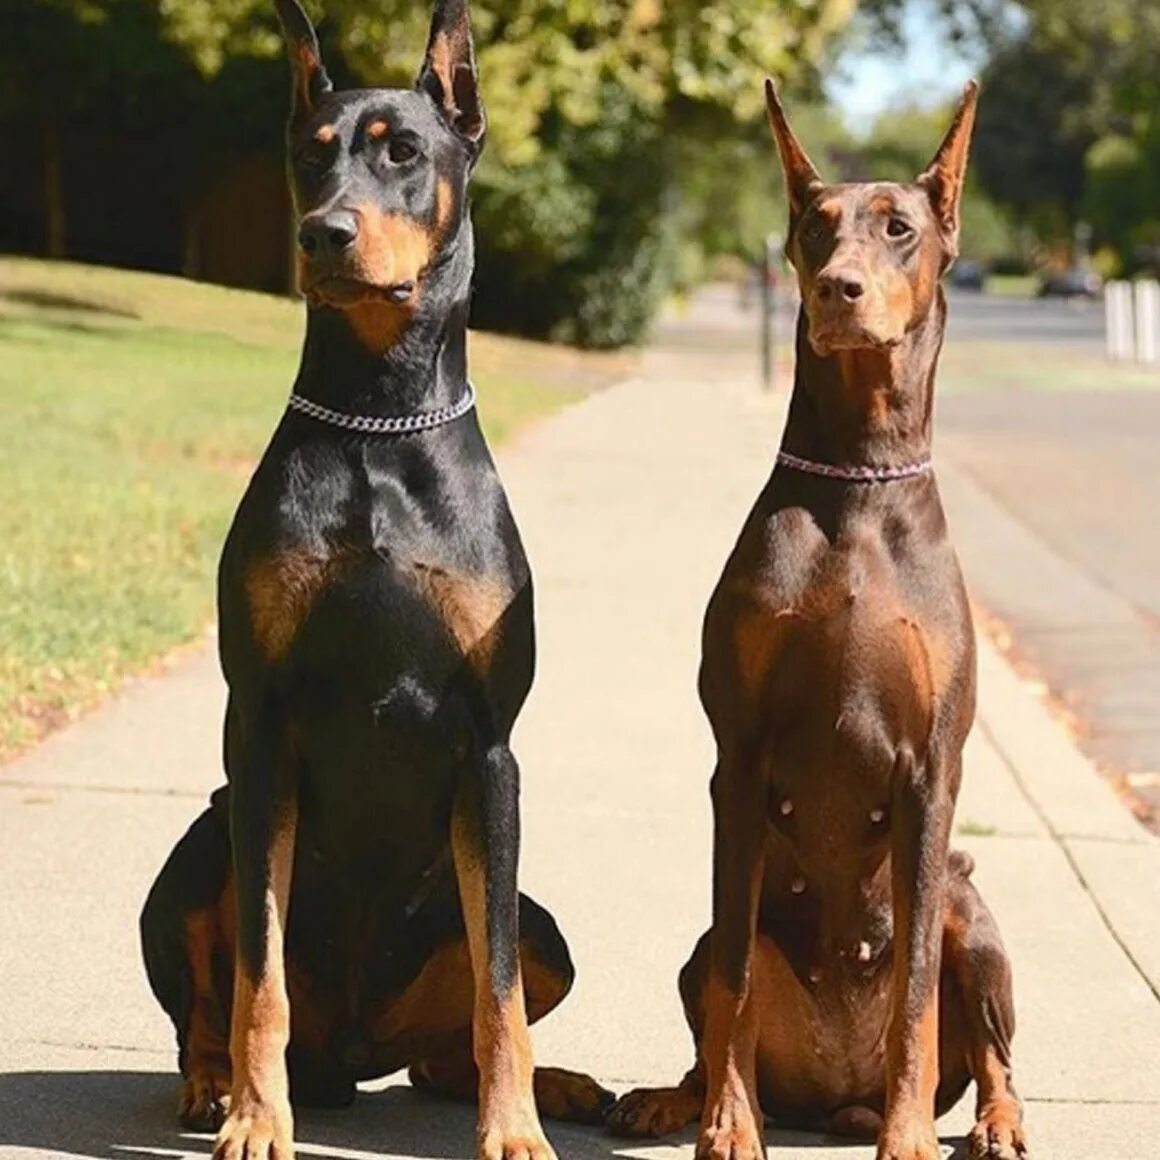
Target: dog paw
731	1132
998	1135
515	1146
203	1101
569	1095
256	1130
653	1112
513	1133
909	1140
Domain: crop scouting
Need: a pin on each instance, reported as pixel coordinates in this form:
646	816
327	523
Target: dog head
379	176
869	255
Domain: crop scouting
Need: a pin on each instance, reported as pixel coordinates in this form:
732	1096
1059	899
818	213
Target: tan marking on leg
206	1072
501	1044
280	591
437	1004
909	1132
470	607
260	1122
998	1131
731	1116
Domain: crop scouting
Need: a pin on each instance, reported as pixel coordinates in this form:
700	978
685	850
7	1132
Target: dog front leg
922	806
263	822
731	1123
485	838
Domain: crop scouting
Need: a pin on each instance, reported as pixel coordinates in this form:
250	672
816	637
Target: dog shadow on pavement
120	1115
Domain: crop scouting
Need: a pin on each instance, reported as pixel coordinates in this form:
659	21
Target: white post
1121	337
1148	322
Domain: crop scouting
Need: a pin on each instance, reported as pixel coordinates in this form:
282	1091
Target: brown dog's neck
866	407
381	359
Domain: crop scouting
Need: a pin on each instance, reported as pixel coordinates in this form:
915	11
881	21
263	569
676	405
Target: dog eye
400	149
898	228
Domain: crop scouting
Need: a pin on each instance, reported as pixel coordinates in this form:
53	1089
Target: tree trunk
191	243
56	220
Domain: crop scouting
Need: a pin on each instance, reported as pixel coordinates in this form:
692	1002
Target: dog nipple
816	975
786	808
798	886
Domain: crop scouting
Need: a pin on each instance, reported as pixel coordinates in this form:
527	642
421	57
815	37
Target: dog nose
843	284
327	235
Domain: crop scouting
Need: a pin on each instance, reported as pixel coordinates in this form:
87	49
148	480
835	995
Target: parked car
968	274
1077	282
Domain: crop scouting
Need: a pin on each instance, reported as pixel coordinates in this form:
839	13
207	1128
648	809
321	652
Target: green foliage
607	171
603	165
899	147
135	407
1069	126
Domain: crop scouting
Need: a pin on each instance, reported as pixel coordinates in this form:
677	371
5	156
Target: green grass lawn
132	408
1013	285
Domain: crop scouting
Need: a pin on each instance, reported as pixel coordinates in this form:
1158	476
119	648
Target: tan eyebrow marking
326	134
377	129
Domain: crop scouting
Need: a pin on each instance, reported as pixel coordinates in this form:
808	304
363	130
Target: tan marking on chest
470	607
929	662
280	591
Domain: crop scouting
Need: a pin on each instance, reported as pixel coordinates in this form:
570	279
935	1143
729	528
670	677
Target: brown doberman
853	980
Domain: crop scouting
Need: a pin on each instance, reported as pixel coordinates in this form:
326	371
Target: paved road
1073	325
990	318
1066	456
628	503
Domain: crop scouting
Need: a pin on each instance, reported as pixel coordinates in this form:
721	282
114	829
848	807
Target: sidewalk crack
76	787
1061	842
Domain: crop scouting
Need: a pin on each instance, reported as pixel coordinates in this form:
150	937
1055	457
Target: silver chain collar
855	473
388	425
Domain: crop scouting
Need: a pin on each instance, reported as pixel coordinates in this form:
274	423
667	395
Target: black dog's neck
422	368
866	407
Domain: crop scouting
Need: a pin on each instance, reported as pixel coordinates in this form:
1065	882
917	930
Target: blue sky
929	71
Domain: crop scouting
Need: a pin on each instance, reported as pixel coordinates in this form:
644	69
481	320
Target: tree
1069	127
605	123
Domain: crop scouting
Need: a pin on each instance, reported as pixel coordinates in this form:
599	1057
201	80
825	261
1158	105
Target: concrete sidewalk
628	503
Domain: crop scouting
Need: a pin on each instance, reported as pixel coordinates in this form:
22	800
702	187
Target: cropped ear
802	180
449	74
943	178
308	79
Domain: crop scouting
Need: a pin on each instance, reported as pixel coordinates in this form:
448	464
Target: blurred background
628	155
632	349
627	200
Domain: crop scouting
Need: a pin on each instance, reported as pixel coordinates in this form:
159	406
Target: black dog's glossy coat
376	630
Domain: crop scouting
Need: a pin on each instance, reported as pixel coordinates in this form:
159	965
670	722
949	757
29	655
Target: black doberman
853	980
348	904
